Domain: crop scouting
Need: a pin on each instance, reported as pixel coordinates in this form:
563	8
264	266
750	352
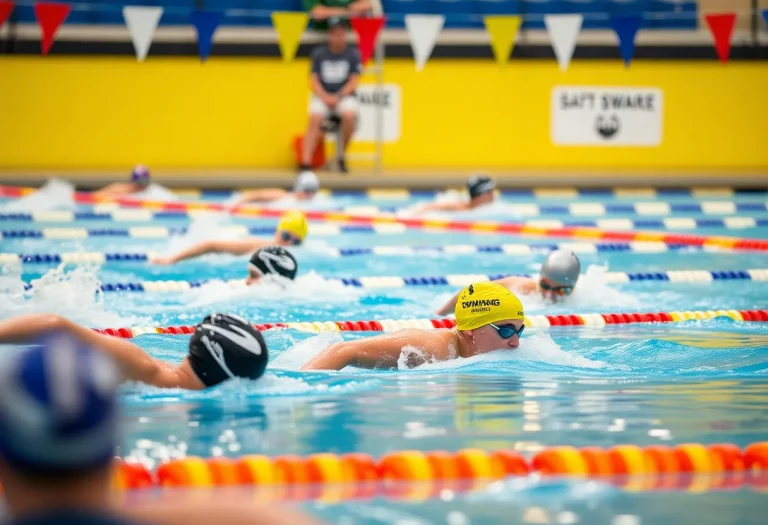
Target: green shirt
322	25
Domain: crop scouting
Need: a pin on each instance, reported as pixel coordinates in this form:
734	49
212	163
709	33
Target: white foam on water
74	294
538	347
308	288
202	228
156	192
301	353
56	194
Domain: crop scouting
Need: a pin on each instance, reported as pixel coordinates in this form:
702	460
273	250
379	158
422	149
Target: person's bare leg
314	129
348	122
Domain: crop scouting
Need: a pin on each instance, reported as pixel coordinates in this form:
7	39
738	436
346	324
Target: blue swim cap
58	407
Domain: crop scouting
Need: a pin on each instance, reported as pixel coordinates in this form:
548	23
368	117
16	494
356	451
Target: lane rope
394	250
580	209
532	321
457	280
656	467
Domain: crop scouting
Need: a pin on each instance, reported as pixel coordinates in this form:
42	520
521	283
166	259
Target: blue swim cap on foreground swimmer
57	407
485	304
225	347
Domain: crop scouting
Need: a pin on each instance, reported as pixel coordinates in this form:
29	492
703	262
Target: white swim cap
307	182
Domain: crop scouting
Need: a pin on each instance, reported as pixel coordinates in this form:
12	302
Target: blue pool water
698	381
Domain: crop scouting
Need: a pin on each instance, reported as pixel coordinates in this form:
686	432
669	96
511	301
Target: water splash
202	228
301	353
74	294
156	192
56	194
307	288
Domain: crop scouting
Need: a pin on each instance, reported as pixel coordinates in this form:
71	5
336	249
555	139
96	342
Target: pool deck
419	178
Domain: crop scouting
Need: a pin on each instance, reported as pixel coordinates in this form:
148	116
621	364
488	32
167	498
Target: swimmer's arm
266	195
383	350
111	190
522	285
235	247
133	362
440	206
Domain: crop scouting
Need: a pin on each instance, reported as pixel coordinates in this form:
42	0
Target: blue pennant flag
626	28
205	23
765	15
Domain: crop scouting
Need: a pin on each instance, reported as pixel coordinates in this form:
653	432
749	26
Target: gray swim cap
562	267
307	182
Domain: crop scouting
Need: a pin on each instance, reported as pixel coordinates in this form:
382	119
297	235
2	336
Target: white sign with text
600	116
372	97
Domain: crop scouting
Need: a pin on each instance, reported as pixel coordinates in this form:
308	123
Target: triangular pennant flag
626	28
142	22
721	26
50	15
502	30
289	28
563	32
423	31
367	30
5	11
205	23
765	15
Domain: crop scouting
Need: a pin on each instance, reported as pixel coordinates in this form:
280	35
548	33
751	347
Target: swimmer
488	317
557	279
222	347
304	189
59	432
272	261
481	192
291	231
139	182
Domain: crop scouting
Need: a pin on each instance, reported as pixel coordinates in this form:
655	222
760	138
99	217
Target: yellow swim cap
484	303
294	222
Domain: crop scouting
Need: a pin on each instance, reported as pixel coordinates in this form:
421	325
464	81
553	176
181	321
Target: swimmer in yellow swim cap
488	317
291	231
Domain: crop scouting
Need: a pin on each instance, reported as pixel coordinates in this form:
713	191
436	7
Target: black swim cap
274	260
479	185
224	347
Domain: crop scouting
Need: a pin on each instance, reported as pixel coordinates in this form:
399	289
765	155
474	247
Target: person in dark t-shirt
336	69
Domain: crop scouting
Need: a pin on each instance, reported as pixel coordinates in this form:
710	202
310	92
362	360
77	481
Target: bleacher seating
657	14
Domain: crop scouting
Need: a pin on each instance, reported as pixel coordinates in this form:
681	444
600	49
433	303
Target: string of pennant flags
423	31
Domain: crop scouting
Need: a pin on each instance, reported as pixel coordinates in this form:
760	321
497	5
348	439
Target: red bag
318	159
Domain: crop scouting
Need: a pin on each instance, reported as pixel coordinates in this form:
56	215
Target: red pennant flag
367	30
50	15
721	26
5	11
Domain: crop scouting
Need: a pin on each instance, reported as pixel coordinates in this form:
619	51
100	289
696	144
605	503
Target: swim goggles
507	331
290	238
559	290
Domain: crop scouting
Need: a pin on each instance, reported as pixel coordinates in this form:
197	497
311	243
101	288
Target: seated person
291	231
139	182
481	192
336	69
222	347
306	186
321	10
488	317
558	277
271	260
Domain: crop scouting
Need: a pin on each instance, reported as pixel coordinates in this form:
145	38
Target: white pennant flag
563	32
142	22
423	31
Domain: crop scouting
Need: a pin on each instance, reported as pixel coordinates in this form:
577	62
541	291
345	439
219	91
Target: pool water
697	381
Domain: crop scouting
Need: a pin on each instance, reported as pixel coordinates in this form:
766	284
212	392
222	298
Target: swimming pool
699	381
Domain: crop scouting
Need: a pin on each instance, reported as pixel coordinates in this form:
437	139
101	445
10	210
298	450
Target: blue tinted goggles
508	331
